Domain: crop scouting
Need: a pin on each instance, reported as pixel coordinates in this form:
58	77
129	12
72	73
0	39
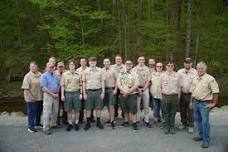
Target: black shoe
88	125
135	127
197	138
69	127
76	127
125	124
99	125
148	125
113	125
108	122
32	130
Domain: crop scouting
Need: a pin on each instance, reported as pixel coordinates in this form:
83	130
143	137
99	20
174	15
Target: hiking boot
76	127
99	125
148	125
135	127
69	127
87	126
125	124
113	125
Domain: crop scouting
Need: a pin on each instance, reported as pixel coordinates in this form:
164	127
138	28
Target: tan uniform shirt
143	74
128	80
202	88
71	81
155	87
186	79
31	82
170	83
110	78
117	69
93	78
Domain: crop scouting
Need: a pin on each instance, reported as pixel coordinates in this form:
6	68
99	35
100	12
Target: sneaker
32	130
197	138
113	125
148	125
47	132
76	127
135	127
39	126
87	126
99	125
125	124
204	145
190	130
69	127
172	131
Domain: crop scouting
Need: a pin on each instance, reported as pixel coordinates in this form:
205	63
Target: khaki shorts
94	100
129	103
110	98
72	101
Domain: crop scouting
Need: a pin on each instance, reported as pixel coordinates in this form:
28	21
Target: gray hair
201	65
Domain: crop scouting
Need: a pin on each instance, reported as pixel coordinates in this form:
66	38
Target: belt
71	91
170	94
200	100
185	93
110	88
94	89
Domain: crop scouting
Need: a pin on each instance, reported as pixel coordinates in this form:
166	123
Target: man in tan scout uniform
118	67
204	89
71	95
110	90
93	91
143	73
170	89
128	84
187	74
33	97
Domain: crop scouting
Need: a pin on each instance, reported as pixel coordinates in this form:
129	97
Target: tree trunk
188	46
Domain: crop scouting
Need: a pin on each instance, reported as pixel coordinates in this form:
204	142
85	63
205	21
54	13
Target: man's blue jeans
201	118
157	108
34	110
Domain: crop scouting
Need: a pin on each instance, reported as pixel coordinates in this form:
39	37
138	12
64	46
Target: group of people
74	95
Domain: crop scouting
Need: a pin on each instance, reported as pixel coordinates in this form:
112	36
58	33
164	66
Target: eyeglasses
159	66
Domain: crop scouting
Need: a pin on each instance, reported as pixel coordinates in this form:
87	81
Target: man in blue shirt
50	86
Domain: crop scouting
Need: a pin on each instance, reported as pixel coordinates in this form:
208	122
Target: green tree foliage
37	29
